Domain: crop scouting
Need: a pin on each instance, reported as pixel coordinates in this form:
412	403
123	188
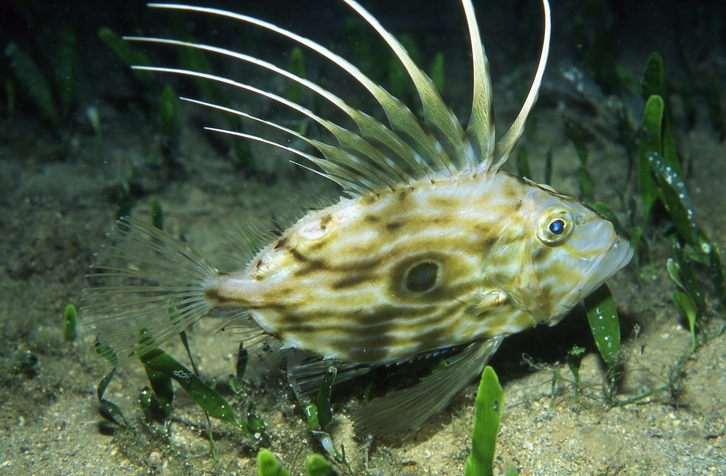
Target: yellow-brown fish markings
433	248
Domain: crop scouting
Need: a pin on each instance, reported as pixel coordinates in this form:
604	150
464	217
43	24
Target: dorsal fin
436	112
377	157
480	131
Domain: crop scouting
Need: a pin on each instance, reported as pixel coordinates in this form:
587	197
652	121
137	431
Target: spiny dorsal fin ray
352	181
480	130
354	185
332	128
436	112
402	120
507	143
368	126
410	408
373	171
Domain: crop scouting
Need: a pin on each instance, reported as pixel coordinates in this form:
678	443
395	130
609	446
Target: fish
432	248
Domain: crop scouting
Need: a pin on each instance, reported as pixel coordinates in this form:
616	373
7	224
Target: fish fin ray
244	239
480	130
436	113
414	146
402	155
161	291
409	408
416	153
371	169
506	144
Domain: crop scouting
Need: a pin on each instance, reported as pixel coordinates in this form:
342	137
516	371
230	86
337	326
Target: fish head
568	250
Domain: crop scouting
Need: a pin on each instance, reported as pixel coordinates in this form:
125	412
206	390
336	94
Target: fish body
381	278
433	247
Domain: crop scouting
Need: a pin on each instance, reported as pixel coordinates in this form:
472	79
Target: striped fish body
435	265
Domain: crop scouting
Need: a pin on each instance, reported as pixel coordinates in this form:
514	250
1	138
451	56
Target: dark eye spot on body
422	277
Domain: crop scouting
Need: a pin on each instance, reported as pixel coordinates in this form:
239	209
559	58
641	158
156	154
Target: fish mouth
601	269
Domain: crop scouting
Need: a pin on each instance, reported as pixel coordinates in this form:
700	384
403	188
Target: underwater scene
363	237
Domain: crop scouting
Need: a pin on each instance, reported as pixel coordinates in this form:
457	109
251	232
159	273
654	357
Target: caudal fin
143	280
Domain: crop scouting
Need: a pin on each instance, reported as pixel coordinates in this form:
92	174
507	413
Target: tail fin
144	280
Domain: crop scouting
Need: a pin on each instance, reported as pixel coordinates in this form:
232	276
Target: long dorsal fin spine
386	136
356	186
424	156
435	110
481	123
401	118
374	175
332	153
507	143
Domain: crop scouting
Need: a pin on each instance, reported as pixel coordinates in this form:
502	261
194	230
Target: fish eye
421	277
556	225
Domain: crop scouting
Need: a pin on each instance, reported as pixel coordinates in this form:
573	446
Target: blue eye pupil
557	227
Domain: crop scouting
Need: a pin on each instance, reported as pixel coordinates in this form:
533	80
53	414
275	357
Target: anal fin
409	408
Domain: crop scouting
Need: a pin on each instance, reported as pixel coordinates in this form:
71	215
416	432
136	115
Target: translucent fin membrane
409	408
144	279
